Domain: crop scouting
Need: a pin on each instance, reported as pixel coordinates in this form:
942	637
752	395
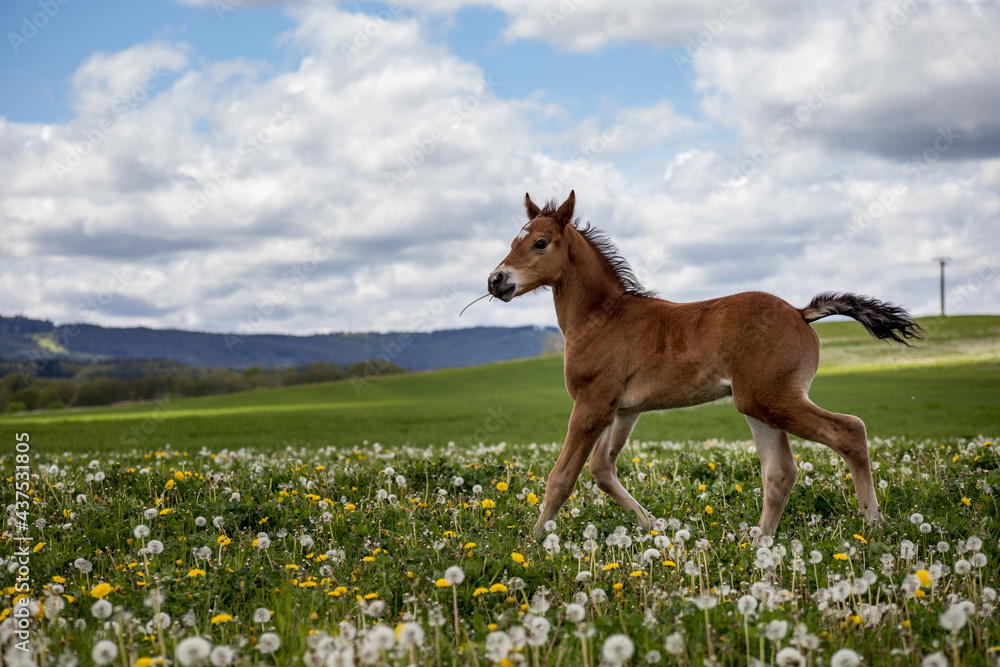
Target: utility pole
942	261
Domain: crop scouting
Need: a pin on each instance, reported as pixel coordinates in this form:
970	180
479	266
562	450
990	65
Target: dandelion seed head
747	605
409	634
790	657
498	645
201	522
916	518
954	618
575	612
222	656
155	547
269	642
776	630
104	652
934	660
141	531
261	615
845	657
674	643
101	609
193	651
617	649
454	575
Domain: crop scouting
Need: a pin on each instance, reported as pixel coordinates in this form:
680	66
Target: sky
304	167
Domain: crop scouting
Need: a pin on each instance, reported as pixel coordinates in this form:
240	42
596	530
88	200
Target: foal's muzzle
500	285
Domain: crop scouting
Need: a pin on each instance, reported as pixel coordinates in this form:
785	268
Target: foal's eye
541	244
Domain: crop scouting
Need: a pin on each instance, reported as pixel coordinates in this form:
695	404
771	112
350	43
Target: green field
946	386
297	526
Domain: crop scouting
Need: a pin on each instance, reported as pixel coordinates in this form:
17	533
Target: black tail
883	320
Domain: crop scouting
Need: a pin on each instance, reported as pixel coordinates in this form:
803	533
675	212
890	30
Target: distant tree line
54	383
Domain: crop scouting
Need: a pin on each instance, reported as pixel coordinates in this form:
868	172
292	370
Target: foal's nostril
496	279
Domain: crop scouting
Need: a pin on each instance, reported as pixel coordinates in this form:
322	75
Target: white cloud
376	184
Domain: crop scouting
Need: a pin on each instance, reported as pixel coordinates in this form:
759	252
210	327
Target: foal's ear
533	211
564	214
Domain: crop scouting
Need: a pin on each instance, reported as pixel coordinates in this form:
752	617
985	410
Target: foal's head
538	254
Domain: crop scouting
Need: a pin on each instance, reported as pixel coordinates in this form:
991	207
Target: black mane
608	250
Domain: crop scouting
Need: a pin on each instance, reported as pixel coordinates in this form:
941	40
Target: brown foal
628	352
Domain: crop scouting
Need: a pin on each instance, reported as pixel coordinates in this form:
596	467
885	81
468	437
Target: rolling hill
23	338
946	386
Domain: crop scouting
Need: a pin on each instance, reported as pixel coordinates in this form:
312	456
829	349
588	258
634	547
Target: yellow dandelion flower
221	618
532	499
470	545
501	486
38	547
170	484
920	594
165	510
349	507
101	590
841	556
479	591
492	627
637	573
859	537
179	476
224	541
371	596
517	557
966	502
498	588
488	504
442	583
739	489
925	577
58	579
192	573
701	487
368	559
670	563
618	587
610	566
293	566
708	509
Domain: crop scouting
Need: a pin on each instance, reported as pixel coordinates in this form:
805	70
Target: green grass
937	389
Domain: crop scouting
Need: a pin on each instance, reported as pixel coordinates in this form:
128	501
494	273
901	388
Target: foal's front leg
588	421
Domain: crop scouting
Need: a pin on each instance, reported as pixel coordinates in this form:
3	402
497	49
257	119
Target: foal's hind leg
602	466
777	467
844	434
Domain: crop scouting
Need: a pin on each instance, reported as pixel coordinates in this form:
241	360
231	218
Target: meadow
389	523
